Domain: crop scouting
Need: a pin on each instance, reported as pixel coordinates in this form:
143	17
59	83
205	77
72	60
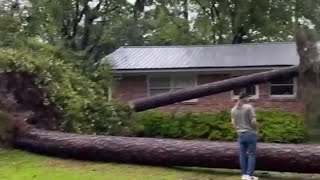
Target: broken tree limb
168	152
164	99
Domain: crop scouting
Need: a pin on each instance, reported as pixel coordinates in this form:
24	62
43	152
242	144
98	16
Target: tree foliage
274	126
81	102
97	27
61	40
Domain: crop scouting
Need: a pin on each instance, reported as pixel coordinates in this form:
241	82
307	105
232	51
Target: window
283	88
158	85
163	84
253	91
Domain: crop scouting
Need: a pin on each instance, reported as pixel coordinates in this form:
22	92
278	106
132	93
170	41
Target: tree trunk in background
309	78
211	88
185	10
167	152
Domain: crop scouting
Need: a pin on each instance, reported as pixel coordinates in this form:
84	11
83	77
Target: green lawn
18	165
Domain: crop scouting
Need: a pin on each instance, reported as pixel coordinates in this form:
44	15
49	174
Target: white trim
202	70
193	76
294	95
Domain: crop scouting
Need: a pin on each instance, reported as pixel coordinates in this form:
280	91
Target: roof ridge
207	45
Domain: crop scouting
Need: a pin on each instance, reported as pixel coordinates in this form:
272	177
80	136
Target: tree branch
180	26
76	19
113	9
84	10
233	14
185	10
204	8
89	19
219	22
97	8
211	15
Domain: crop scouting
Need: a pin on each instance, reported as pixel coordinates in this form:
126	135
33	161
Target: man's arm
232	119
253	118
233	123
254	123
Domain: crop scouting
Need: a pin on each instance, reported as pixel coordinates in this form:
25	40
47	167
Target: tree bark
186	10
168	152
309	78
164	99
219	24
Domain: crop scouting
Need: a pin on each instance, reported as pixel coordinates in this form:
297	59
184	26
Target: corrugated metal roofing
210	56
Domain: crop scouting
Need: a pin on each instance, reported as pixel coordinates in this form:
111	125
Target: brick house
144	71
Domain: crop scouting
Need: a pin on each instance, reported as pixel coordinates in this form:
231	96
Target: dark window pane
159	82
282	90
251	90
237	91
283	81
177	89
158	91
182	82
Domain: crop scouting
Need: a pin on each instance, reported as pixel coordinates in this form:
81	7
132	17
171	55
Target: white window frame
193	77
294	95
253	97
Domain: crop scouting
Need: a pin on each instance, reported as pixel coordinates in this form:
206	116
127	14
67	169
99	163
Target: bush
4	127
82	102
274	126
278	126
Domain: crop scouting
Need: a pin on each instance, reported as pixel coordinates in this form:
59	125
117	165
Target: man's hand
254	123
233	123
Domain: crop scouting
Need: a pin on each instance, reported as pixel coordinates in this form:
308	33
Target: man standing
243	119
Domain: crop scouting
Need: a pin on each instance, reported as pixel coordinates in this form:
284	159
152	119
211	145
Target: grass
19	165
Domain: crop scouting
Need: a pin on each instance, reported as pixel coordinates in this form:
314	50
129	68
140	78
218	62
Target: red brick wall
132	87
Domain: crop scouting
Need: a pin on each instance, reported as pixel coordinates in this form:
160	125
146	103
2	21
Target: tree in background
94	28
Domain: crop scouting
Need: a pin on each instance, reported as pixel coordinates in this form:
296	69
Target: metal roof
207	56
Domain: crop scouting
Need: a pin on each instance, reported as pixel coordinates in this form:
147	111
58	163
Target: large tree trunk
211	88
309	78
167	152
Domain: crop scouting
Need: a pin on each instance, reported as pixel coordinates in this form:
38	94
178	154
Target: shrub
278	126
4	127
274	126
82	102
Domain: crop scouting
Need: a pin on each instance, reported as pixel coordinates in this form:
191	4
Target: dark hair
243	95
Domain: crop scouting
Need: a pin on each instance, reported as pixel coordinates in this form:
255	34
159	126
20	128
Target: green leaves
274	126
82	102
96	29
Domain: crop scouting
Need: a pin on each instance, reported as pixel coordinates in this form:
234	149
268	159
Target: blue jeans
247	152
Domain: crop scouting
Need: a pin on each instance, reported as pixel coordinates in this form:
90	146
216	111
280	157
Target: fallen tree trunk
167	152
164	99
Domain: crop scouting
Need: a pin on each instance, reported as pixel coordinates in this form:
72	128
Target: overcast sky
131	1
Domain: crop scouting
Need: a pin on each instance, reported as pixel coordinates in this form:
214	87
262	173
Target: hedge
274	126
